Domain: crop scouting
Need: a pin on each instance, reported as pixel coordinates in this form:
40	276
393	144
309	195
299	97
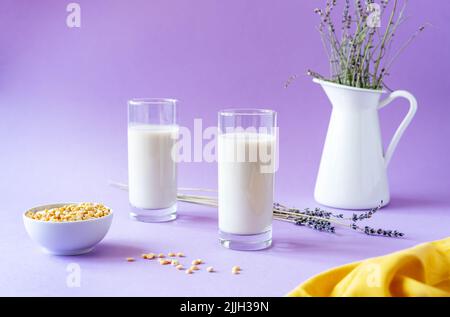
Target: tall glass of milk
247	161
152	168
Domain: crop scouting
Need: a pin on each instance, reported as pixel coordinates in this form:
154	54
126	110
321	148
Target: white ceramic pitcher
352	173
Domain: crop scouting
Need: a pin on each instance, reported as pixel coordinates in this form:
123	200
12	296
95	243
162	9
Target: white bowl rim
55	205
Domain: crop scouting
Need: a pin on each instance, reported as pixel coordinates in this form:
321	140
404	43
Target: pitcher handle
405	123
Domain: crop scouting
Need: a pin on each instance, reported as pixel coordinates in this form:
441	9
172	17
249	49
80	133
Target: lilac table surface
63	99
297	254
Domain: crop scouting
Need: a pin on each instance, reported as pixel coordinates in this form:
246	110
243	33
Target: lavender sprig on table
316	219
321	220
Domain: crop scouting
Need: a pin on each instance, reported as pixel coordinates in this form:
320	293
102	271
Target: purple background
63	99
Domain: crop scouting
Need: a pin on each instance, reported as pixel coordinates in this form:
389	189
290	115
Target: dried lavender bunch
358	52
317	219
321	220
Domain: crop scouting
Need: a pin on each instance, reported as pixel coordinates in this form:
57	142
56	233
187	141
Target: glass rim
246	112
151	101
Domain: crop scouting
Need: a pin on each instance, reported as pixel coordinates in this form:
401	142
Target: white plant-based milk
152	171
246	181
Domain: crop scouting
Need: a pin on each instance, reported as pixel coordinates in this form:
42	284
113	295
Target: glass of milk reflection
247	161
152	167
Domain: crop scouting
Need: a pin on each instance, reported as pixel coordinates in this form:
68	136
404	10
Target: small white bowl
66	238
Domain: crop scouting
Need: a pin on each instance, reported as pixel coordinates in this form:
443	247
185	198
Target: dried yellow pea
69	213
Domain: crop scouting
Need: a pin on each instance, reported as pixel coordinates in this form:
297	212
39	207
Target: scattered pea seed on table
174	262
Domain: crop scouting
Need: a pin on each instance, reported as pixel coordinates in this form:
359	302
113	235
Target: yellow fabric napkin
423	270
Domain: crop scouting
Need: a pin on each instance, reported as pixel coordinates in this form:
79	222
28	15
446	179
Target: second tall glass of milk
247	162
152	168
